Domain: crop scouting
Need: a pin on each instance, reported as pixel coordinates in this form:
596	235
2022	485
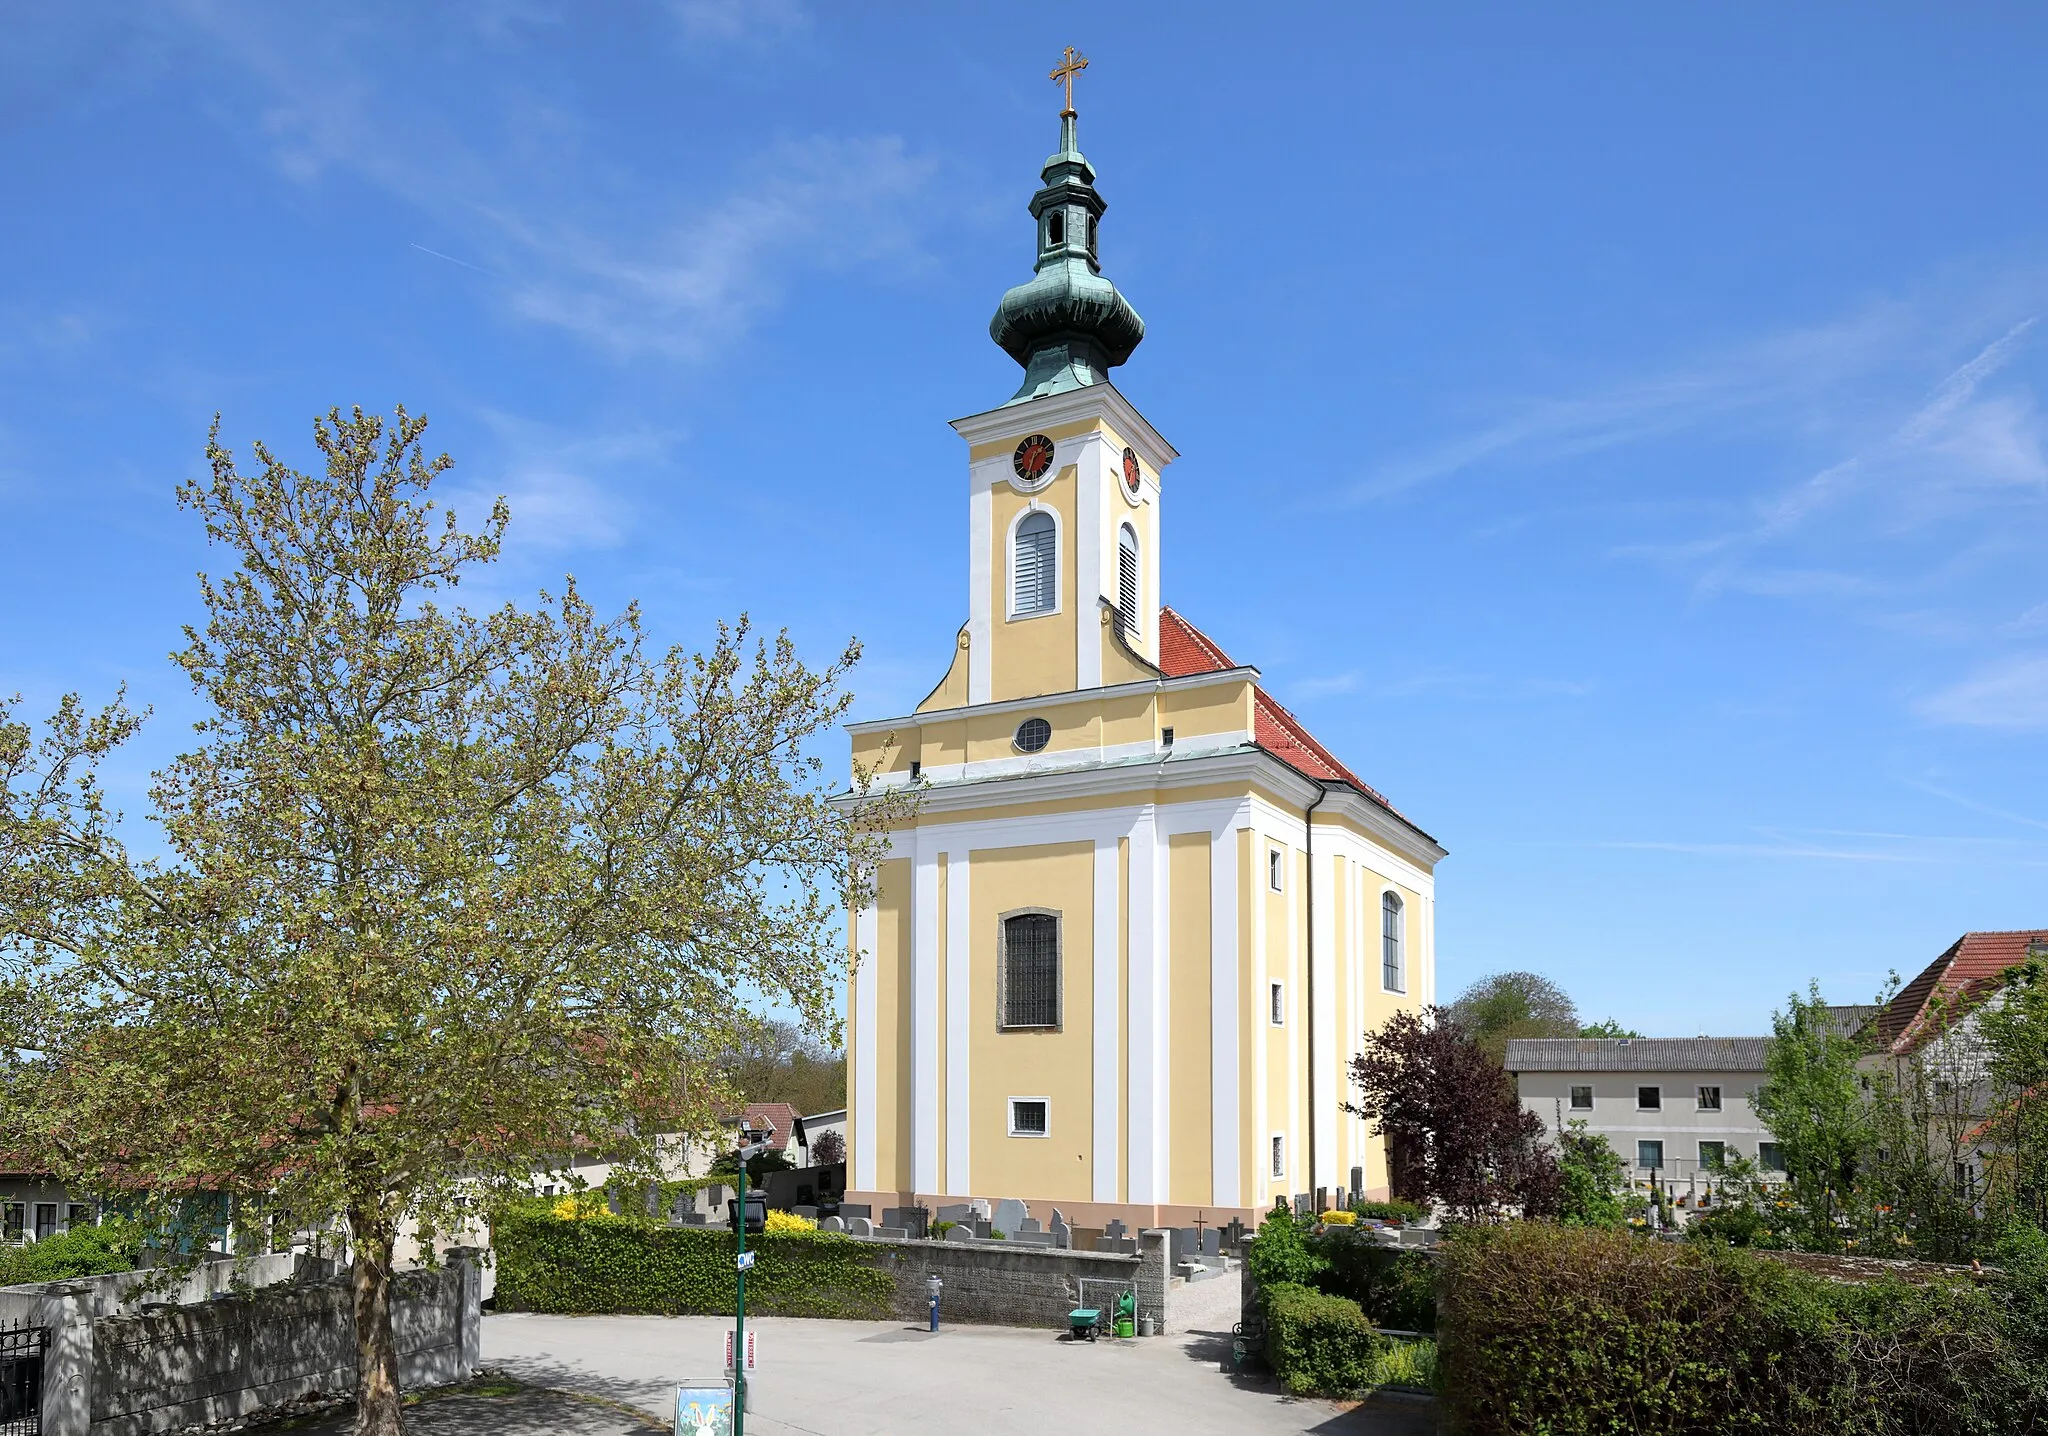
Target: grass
1409	1364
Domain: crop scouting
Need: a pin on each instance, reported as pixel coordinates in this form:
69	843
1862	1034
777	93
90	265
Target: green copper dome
1066	325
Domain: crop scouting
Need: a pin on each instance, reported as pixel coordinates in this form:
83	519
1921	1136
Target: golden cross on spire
1065	71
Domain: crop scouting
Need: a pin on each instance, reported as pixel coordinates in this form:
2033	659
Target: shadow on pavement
528	1413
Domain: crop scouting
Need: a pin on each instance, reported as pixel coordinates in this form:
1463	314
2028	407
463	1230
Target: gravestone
850	1210
982	1226
1085	1239
894	1234
826	1224
693	1219
1212	1242
962	1233
860	1227
1233	1233
1009	1216
1029	1224
957	1212
1358	1184
1301	1204
1115	1230
810	1213
1062	1234
1033	1239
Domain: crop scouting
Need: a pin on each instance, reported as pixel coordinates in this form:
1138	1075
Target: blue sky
1615	429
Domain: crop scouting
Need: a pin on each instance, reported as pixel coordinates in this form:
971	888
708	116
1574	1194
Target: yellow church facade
1120	957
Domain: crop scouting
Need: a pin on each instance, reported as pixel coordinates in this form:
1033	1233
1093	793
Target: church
1120	957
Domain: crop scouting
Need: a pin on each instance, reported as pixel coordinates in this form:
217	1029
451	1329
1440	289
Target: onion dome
1066	325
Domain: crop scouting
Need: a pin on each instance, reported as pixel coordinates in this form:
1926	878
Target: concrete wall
1005	1284
143	1372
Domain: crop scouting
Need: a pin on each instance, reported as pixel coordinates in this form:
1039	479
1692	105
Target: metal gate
21	1380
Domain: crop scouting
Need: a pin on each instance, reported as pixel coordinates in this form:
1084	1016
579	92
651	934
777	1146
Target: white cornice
1055	700
1096	400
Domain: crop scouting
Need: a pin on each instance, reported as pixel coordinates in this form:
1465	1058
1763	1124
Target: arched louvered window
1393	974
1037	564
1127	578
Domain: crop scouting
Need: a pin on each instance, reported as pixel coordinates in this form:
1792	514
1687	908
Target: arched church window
1037	564
1392	975
1127	578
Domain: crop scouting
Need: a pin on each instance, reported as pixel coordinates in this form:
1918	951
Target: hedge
1317	1344
605	1264
1567	1331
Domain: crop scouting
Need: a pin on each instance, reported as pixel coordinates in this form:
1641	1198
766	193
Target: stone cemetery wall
166	1369
1002	1284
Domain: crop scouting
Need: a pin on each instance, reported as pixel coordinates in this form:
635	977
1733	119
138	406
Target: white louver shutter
1037	562
1127	578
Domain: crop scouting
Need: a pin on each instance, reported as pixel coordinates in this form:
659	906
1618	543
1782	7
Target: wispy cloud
558	486
739	20
2010	694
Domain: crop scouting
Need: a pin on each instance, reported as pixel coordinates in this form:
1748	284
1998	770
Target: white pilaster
1323	1118
924	1022
1147	1028
1108	923
1297	1026
1226	1126
981	571
866	1007
1092	550
958	996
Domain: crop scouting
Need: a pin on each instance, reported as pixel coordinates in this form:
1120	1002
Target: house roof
778	1117
1958	979
1637	1054
1184	650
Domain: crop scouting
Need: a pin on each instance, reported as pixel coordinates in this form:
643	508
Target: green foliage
727	1166
1406	1363
777	1061
1584	1331
1811	1099
1592	1179
1396	1286
1282	1253
1319	1345
2016	1032
114	1245
609	1264
1608	1027
1389	1211
1514	1004
1747	1211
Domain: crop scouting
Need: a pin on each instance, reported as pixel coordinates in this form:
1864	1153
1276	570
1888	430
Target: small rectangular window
1713	1156
46	1220
916	770
1279	1005
1166	737
13	1221
1582	1099
1649	1099
1710	1099
1650	1155
1279	1157
79	1216
1275	872
1028	1117
1767	1157
1963	1177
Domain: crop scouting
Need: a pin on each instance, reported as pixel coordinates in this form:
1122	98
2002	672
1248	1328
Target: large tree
1456	1130
1506	1005
439	895
1813	1104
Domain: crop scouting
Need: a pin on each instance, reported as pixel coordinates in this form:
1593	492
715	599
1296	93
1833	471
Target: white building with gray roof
1675	1107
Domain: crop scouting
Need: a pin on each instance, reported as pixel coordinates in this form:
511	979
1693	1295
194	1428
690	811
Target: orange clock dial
1131	471
1033	458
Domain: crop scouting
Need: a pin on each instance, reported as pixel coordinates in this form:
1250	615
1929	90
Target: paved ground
849	1378
527	1413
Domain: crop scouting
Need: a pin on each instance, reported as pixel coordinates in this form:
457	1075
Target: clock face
1131	474
1033	458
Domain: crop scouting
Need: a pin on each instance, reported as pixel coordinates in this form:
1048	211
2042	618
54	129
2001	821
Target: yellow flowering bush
1339	1219
789	1224
574	1208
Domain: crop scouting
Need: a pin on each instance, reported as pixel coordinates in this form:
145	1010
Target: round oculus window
1033	458
1033	734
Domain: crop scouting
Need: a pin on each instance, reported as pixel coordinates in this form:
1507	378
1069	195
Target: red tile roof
1184	649
1951	984
778	1117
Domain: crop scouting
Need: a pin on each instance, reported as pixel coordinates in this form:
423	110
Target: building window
1650	1155
80	1215
1713	1156
1276	870
916	769
1035	585
1127	578
1055	229
1279	1005
1963	1177
1767	1157
1166	737
1393	970
1028	970
1649	1099
1710	1099
1032	735
46	1220
1279	1157
1582	1099
1029	1117
1092	222
13	1221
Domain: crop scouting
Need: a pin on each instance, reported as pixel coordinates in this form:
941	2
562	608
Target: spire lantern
1068	326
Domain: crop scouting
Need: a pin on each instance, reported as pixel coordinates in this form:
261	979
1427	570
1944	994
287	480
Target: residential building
1121	956
35	1206
1674	1108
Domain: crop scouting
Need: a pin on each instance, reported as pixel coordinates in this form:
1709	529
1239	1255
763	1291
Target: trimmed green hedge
1319	1345
1568	1331
613	1264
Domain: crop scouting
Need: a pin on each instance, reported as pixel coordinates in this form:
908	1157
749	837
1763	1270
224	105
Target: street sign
745	1261
751	1353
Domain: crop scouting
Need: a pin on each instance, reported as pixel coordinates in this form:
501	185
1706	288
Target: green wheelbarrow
1084	1323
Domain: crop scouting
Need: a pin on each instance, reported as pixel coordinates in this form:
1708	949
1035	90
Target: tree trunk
379	1411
